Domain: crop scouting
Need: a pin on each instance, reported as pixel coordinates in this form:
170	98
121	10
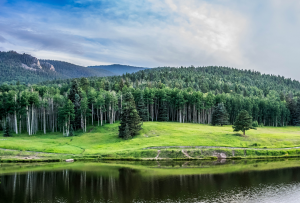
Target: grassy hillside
104	140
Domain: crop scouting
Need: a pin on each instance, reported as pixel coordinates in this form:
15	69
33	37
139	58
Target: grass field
104	140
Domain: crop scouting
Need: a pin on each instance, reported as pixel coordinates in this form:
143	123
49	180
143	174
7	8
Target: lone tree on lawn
220	115
6	130
129	118
126	133
243	122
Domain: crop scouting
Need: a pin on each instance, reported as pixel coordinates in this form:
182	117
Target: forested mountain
28	69
68	70
24	68
118	69
163	94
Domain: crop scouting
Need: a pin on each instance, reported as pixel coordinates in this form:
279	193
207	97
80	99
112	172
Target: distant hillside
28	69
24	68
118	69
68	70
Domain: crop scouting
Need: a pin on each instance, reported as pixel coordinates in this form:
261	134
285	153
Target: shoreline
166	153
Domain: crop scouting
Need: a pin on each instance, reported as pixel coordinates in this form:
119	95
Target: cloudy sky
262	35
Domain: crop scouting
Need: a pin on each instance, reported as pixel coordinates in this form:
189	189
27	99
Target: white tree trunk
44	120
16	122
28	121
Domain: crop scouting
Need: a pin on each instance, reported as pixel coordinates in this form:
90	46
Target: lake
152	181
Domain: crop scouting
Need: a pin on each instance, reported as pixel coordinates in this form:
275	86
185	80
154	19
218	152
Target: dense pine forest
162	94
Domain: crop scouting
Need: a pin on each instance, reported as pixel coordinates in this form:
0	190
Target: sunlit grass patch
105	140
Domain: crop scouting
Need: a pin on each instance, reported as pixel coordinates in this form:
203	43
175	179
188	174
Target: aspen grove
49	109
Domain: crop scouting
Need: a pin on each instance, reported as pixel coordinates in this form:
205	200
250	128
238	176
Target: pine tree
292	105
121	84
243	122
126	134
297	113
129	117
74	96
142	109
163	112
7	132
84	84
220	115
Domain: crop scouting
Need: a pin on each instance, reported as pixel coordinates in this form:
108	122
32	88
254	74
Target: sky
262	35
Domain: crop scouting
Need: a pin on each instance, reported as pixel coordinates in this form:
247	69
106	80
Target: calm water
152	182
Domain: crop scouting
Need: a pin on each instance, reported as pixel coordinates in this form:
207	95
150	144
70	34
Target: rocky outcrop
220	155
47	66
30	61
26	67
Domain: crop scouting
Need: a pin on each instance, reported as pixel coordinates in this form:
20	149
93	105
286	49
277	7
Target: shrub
250	152
255	124
238	152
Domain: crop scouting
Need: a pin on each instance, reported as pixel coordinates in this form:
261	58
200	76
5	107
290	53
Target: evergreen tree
297	113
74	96
130	117
243	122
126	134
84	84
142	109
121	84
7	132
292	105
163	112
220	115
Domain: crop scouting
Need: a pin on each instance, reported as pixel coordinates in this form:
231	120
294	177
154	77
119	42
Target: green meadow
104	140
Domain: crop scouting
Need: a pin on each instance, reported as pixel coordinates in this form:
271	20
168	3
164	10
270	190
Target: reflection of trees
74	186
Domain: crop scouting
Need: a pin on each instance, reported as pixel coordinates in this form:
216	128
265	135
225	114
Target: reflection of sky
260	35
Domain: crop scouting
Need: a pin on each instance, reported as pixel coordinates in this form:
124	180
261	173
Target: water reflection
104	183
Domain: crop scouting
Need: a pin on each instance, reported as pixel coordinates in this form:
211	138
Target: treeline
213	79
72	106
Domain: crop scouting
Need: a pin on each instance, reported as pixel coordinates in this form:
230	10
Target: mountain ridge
118	69
25	68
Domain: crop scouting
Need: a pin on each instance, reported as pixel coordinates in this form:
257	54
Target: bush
250	152
262	152
255	124
239	152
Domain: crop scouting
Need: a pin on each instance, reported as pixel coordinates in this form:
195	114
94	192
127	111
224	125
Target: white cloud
255	34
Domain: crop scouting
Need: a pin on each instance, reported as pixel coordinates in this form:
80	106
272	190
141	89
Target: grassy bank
104	142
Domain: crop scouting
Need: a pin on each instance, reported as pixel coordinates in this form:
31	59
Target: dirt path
213	147
158	152
186	154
